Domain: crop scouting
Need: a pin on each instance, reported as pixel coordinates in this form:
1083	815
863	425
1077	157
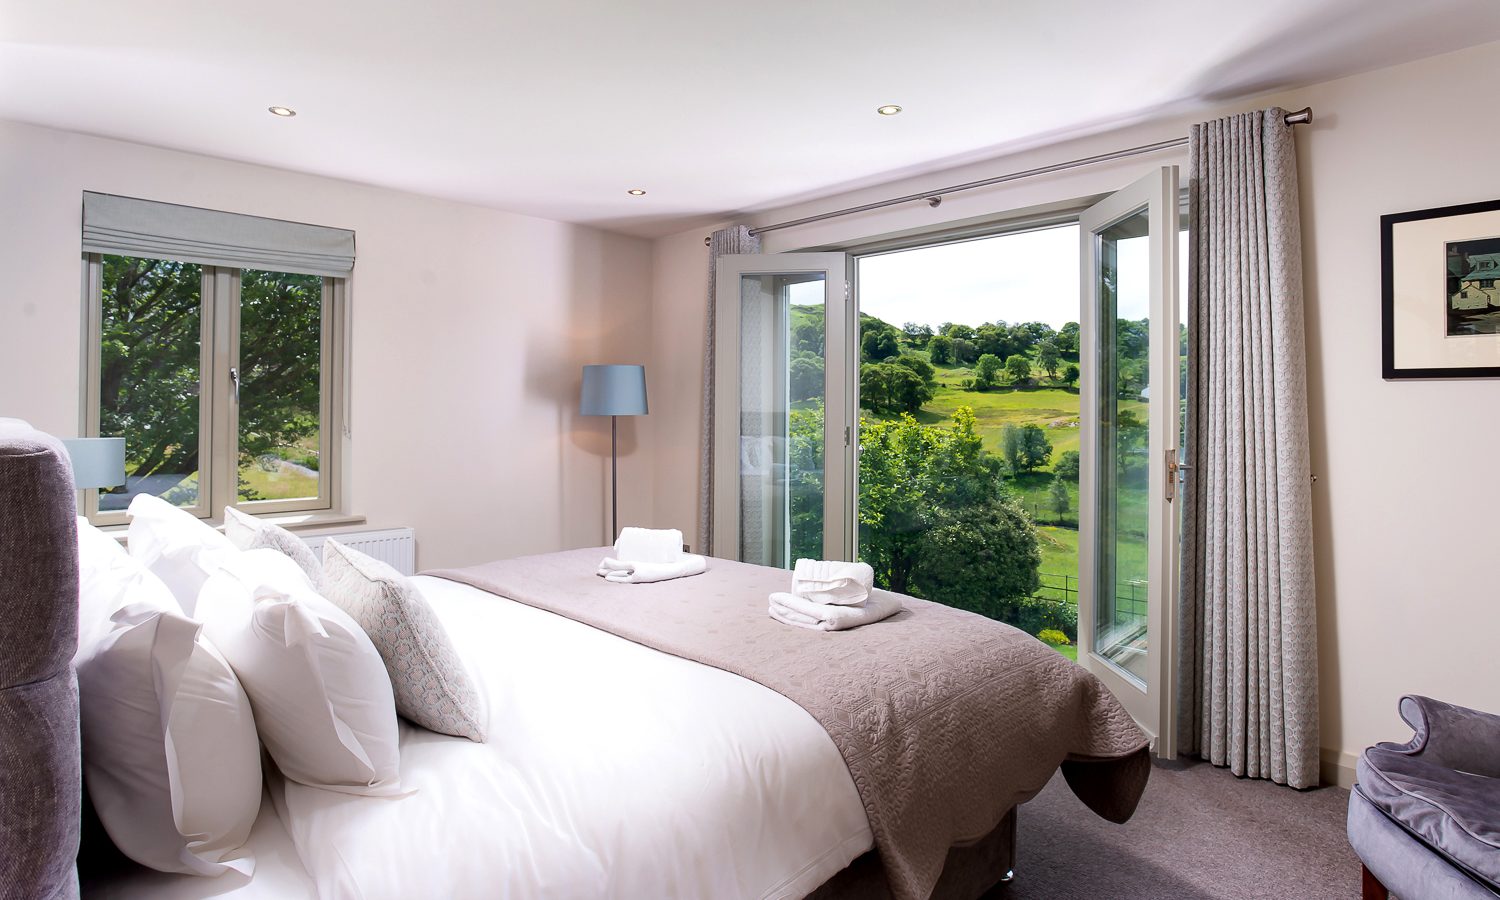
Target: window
225	380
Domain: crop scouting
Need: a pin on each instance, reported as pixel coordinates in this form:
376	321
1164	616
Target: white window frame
218	413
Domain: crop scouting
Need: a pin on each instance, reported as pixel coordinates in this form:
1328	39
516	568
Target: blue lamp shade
613	391
97	462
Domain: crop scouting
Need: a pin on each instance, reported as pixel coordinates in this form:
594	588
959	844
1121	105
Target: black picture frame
1389	370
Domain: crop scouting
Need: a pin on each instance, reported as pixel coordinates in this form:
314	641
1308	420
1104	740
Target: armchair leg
1370	886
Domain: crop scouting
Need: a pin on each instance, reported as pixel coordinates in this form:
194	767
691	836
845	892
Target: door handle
1176	474
234	379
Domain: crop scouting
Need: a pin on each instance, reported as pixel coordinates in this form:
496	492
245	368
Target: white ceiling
556	107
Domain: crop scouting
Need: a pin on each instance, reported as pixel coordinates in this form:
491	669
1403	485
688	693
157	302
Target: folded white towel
649	545
793	610
831	581
622	572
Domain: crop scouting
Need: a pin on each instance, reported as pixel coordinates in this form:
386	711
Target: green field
1054	406
283	483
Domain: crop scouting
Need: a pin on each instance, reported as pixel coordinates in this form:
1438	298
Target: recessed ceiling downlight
890	109
285	112
636	192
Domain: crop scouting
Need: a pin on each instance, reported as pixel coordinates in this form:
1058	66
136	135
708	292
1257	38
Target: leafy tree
986	372
889	388
964	350
807	331
1012	448
1031	334
149	366
1130	442
879	343
940	349
280	350
1057	496
935	521
981	557
148	363
1025	447
805	473
1018	368
1067	339
956	331
1132	338
917	364
1070	374
917	334
1048	357
994	338
1132	376
1068	465
805	378
1035	447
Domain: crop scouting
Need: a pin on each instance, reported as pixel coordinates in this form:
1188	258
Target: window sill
294	522
306	521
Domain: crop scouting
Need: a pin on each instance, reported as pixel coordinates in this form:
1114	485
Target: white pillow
320	692
108	579
178	548
170	754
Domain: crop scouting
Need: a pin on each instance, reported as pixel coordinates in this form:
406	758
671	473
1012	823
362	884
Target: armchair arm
1451	736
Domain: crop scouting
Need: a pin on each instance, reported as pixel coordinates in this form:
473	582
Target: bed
613	769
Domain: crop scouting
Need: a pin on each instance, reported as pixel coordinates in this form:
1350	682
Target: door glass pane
149	363
782	330
969	426
281	341
1124	292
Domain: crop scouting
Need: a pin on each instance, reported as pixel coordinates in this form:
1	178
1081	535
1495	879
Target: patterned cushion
432	688
250	533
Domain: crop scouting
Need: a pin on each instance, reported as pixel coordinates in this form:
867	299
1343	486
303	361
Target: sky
1030	276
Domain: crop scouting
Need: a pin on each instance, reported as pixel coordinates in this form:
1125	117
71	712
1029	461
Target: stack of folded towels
832	596
645	554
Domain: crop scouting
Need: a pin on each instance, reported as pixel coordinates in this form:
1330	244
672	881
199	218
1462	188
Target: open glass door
1130	400
780	441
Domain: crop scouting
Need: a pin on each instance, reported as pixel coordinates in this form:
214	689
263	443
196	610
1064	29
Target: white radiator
396	547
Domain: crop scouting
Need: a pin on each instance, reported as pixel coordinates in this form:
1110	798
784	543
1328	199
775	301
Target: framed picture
1440	281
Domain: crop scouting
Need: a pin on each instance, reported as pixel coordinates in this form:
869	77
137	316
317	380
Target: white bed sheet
611	771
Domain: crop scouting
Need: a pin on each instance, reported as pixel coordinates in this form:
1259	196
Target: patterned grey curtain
1248	682
734	239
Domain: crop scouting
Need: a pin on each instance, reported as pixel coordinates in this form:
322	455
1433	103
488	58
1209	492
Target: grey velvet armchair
1424	816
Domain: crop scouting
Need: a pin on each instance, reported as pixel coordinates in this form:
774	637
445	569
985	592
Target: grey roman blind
125	226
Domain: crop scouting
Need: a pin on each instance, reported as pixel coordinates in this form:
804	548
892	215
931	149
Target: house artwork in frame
1474	287
1440	292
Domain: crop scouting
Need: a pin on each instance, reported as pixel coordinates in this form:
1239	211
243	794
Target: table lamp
97	462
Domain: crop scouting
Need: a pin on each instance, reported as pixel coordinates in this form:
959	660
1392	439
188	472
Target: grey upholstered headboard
40	781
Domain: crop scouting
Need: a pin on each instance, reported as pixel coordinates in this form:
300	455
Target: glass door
1130	400
780	442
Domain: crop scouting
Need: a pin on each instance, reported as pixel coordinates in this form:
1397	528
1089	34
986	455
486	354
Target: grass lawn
287	473
1053	408
1070	651
285	483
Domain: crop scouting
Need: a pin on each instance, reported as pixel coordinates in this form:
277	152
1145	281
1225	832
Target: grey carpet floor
1199	832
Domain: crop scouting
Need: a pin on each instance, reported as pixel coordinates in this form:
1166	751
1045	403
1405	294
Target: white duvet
611	771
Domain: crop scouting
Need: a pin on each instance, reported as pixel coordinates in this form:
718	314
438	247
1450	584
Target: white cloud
1027	277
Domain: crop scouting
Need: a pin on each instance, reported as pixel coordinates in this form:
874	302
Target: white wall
1406	506
470	327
